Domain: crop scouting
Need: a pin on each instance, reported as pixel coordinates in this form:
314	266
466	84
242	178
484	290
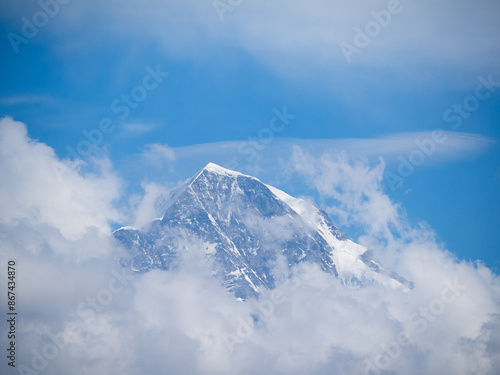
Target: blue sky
226	76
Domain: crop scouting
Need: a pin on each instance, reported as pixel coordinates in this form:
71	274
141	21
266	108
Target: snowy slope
352	260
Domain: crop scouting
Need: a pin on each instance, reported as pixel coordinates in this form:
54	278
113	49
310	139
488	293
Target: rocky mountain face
245	230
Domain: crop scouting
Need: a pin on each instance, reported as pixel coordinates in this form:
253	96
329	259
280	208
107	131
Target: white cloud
149	206
157	154
39	187
183	321
355	187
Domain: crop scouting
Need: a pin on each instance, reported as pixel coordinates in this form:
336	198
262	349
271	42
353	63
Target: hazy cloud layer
184	321
295	38
268	158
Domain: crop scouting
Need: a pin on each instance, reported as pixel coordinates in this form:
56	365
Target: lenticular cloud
81	313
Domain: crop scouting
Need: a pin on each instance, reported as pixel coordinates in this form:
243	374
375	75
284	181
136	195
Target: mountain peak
214	169
245	228
217	169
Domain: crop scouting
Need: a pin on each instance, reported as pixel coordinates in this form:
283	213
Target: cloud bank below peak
185	322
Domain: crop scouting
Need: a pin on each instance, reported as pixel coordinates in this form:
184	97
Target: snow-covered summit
214	168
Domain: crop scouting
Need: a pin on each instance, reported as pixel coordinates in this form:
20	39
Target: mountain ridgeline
245	228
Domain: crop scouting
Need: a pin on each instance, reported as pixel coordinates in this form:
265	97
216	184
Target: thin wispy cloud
26	99
158	152
424	33
138	128
269	159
